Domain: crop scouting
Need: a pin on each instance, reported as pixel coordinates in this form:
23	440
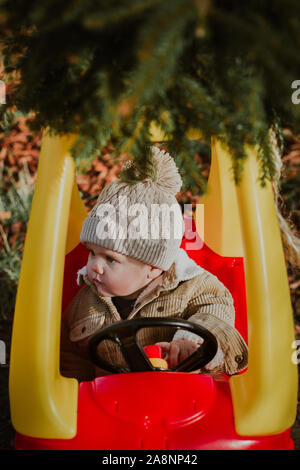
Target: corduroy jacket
185	291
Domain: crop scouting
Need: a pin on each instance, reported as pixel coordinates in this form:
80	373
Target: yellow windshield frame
43	403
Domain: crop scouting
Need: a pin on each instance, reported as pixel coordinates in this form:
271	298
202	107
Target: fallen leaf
95	188
99	166
12	239
16	227
295	284
297	329
5	215
83	182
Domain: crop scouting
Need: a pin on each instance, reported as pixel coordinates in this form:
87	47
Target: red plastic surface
153	351
156	410
229	270
74	261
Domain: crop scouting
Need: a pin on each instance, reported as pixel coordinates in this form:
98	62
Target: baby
136	269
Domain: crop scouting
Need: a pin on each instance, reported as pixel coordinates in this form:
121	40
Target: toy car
144	408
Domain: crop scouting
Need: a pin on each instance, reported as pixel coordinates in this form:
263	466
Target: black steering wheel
124	334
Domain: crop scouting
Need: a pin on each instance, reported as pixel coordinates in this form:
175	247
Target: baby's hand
178	350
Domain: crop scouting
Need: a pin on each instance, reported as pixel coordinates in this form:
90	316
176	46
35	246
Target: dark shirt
124	306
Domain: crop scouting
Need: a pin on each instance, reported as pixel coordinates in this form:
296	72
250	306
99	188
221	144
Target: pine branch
106	70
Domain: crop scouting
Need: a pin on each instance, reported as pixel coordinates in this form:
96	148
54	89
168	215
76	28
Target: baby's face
115	274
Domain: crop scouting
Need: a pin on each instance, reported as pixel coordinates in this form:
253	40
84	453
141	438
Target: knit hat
140	219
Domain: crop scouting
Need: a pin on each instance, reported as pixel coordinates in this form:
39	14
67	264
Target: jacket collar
182	269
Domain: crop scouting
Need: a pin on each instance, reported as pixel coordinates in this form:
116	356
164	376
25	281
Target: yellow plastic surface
222	232
265	397
157	135
158	362
43	403
78	213
241	221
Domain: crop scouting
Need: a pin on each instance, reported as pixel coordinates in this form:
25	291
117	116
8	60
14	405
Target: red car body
160	410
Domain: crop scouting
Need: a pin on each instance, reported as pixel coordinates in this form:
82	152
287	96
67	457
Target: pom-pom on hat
138	215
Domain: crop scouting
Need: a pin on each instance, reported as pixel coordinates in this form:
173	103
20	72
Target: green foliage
15	198
10	263
8	118
106	70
